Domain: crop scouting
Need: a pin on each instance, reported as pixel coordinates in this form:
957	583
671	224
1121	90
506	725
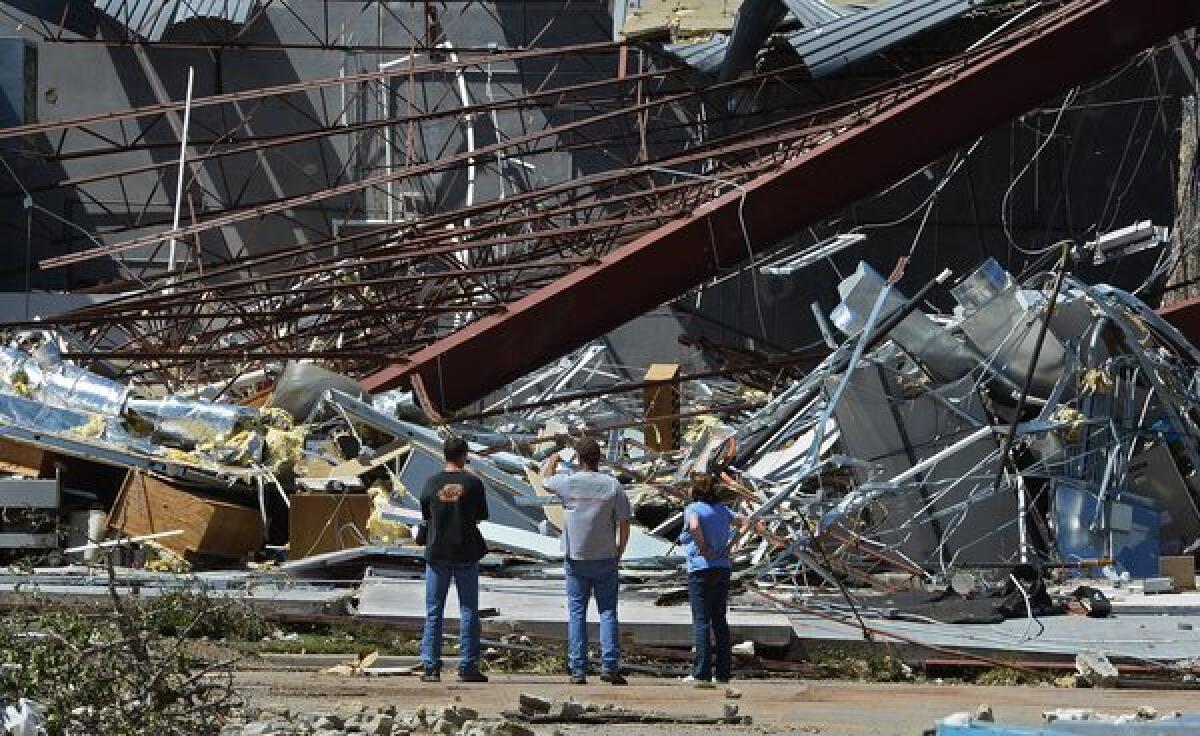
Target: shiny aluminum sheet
187	423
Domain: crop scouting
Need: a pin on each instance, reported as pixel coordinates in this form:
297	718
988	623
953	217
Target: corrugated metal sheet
813	13
755	21
150	19
705	56
831	47
833	37
730	55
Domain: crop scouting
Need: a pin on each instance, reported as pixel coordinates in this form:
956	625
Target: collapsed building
261	407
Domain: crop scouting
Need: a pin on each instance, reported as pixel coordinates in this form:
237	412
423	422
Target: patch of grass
874	667
1007	676
312	643
174	614
545	661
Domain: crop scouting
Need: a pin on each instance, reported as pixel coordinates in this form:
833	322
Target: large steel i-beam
1086	39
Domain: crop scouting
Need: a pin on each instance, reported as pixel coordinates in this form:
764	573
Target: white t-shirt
594	503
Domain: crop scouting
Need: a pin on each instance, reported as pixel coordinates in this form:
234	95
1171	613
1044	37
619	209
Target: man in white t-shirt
595	532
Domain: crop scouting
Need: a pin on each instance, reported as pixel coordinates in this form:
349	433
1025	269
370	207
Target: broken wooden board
18	458
148	504
681	19
662	433
391	451
327	522
556	515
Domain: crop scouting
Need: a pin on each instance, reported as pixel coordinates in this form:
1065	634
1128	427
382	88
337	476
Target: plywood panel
17	458
662	407
149	504
327	522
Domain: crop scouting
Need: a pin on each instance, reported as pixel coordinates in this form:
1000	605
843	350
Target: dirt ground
835	708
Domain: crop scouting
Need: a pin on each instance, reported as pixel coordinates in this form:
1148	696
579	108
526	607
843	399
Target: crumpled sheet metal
36	415
915	466
69	385
188	423
42	393
60	384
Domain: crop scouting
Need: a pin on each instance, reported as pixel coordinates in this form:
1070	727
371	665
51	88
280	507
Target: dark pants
708	591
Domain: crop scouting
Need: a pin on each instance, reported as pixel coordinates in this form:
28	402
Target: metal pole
187	117
1010	438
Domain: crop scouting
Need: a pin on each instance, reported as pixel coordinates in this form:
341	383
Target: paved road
834	708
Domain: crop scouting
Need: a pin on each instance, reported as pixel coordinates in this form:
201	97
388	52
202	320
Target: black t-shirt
452	504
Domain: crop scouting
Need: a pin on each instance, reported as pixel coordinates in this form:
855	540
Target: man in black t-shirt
453	503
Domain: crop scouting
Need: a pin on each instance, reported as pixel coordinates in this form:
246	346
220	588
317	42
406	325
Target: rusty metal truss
397	291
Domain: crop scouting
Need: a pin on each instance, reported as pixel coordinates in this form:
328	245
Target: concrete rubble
1067	721
348	718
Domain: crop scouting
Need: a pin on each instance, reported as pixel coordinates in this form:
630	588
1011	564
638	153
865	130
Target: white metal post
187	116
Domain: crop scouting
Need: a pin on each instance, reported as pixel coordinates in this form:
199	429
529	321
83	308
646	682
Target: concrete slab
1153	637
539	608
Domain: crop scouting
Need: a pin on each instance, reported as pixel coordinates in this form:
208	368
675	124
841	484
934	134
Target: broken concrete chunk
1095	668
531	703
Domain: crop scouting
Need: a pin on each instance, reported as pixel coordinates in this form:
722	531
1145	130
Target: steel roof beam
1080	42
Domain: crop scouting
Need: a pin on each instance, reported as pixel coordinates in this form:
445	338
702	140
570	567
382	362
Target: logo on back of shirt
450	493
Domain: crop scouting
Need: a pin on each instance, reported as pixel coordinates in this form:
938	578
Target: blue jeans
585	578
437	584
708	591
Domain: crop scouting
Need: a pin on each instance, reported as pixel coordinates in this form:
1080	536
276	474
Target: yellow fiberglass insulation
181	456
1073	419
1095	381
20	384
283	447
165	560
379	529
277	418
237	449
94	427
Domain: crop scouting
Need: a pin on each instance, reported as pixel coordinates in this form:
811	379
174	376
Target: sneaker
613	678
472	676
579	679
698	683
431	676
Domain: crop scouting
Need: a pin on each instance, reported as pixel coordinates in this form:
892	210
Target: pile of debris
933	467
1050	424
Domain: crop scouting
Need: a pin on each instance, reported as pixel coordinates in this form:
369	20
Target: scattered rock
530	703
1096	669
330	722
510	728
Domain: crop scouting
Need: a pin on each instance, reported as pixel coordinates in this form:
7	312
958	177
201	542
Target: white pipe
388	142
469	131
187	117
389	133
119	542
496	128
1022	523
945	453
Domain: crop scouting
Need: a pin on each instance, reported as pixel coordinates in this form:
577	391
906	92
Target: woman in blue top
706	533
